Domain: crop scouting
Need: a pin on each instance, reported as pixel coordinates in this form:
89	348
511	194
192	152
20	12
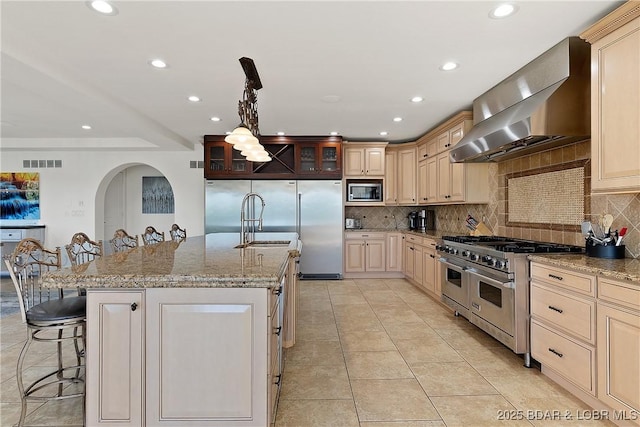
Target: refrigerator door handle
298	216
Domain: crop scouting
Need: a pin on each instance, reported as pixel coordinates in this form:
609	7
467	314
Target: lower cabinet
421	262
183	356
365	252
430	280
619	348
394	251
585	331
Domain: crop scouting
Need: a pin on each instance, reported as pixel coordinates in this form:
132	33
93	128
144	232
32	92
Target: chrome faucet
252	221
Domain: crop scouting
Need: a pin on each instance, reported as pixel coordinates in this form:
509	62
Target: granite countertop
627	269
197	262
431	234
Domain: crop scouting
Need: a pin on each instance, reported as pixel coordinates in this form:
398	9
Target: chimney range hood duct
543	105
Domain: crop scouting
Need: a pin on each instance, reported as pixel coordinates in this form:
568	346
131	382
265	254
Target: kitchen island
187	333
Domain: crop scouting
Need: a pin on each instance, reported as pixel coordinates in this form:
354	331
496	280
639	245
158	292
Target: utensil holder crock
601	251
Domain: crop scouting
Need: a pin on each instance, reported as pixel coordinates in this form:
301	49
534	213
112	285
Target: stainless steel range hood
545	104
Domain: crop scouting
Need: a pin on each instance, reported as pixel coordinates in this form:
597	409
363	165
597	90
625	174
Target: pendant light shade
241	135
258	156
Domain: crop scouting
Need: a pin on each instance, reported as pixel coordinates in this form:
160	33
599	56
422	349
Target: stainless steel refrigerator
312	208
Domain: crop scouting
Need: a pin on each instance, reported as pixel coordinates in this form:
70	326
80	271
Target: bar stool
122	241
151	236
82	249
54	320
177	233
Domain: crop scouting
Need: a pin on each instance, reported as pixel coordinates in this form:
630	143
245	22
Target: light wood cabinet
563	324
170	356
430	267
414	259
391	177
619	347
615	100
365	252
407	175
364	160
394	251
115	358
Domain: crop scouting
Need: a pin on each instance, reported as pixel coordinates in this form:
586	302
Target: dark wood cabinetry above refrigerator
293	157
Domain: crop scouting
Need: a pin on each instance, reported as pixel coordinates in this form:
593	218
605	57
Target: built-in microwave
364	191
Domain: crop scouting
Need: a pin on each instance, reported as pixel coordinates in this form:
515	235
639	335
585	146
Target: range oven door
492	299
455	285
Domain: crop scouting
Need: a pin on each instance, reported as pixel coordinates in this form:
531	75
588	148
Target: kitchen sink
264	244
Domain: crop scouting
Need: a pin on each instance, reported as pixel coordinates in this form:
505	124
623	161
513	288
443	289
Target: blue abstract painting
19	195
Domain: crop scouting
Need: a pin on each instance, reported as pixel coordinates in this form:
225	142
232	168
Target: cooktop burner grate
508	244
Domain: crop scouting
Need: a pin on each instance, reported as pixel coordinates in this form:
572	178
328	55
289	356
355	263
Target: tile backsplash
625	208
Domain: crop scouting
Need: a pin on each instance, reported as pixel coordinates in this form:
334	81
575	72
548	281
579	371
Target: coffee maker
421	220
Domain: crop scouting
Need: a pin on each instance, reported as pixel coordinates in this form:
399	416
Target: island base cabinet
114	358
181	357
206	357
619	361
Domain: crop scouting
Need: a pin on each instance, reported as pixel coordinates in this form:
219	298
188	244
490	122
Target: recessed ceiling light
417	99
215	119
448	66
103	7
397	119
334	133
383	133
86	127
194	98
502	11
280	134
158	63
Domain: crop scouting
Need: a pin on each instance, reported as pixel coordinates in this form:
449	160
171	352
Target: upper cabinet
615	100
298	157
364	159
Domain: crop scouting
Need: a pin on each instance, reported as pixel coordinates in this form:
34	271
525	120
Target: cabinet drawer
572	314
578	282
11	235
360	236
573	361
414	239
620	293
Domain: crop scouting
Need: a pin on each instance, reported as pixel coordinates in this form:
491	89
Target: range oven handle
446	261
491	281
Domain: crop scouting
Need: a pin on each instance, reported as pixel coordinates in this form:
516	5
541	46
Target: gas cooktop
510	244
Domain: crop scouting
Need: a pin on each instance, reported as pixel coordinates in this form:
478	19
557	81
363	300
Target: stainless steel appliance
422	220
543	105
364	191
352	223
311	208
486	279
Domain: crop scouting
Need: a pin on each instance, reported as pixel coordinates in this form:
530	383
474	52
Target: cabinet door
329	160
407	177
115	368
444	177
221	160
354	251
443	142
418	265
190	375
423	185
394	252
618	358
375	255
432	180
615	110
354	161
457	182
374	161
390	178
409	260
429	280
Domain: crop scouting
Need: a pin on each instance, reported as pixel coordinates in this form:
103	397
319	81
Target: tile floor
370	353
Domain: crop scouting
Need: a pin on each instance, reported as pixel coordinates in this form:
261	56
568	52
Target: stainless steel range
486	280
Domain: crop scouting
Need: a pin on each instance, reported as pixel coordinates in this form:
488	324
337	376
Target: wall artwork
19	195
157	195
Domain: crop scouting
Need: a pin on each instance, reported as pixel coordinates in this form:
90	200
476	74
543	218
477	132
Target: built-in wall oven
486	280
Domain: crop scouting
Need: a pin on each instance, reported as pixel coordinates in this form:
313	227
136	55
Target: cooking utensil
597	231
607	220
621	236
586	229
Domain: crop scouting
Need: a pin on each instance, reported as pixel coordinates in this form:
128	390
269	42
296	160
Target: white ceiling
65	65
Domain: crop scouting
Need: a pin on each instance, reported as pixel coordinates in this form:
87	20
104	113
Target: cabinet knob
277	330
134	306
278	378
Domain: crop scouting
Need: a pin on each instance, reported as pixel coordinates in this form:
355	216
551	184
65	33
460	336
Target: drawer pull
277	381
277	330
134	306
278	290
556	352
559	310
553	276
